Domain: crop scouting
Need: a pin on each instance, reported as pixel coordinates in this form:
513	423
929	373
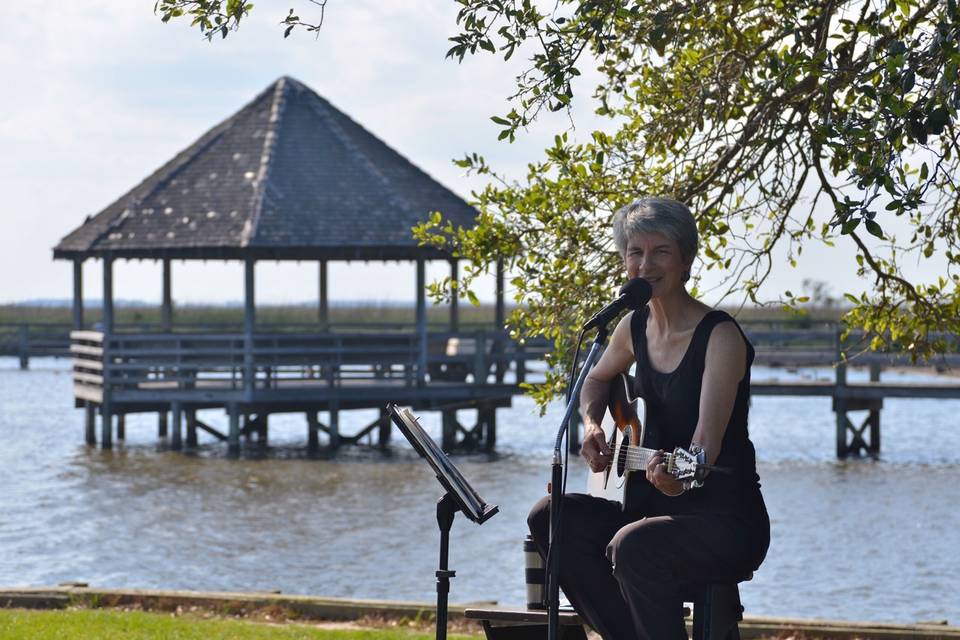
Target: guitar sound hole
621	461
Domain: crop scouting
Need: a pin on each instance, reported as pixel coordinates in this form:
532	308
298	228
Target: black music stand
459	496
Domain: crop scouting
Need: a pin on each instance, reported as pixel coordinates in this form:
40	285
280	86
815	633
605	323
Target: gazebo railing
154	363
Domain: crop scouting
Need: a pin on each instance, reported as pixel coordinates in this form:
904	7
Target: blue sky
100	93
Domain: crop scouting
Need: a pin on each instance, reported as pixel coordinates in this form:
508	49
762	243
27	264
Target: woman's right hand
595	449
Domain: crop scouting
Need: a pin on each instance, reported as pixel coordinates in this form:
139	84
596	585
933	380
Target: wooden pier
321	374
24	340
253	376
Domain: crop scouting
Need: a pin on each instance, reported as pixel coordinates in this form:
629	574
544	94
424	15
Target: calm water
857	540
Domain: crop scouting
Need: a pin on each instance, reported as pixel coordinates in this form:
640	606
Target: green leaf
874	229
938	120
849	226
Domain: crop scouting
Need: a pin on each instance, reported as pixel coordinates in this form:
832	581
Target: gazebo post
421	321
107	320
77	295
106	407
166	304
454	295
324	312
249	321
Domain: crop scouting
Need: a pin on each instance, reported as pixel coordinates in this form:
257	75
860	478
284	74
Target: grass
21	624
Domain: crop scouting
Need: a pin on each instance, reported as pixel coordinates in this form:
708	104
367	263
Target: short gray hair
657	215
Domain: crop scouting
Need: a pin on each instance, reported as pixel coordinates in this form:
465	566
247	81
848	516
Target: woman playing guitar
623	567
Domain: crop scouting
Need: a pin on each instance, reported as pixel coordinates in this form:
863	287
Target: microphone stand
556	490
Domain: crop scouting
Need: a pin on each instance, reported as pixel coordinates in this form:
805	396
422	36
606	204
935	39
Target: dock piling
177	411
334	426
24	347
313	432
106	425
90	424
191	427
233	437
384	432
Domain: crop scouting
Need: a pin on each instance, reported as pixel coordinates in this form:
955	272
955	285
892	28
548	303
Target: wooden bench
716	612
525	624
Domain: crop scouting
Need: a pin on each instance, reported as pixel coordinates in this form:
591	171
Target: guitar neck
637	457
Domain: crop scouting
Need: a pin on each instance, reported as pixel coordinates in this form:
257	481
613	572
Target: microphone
633	295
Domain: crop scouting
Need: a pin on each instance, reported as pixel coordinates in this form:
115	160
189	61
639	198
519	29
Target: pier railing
31	340
145	365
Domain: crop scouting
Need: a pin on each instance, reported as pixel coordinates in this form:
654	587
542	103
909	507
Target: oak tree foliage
781	123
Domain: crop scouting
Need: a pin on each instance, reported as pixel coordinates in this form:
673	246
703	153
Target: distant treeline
233	315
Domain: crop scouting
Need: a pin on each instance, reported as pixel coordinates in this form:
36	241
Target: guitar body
624	426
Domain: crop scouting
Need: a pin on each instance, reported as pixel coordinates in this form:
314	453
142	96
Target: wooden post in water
24	347
487	414
875	414
448	429
177	410
334	425
840	402
313	432
90	423
263	428
121	427
233	437
191	427
384	431
162	424
106	423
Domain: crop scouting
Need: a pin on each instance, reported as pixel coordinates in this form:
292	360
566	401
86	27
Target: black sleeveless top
673	410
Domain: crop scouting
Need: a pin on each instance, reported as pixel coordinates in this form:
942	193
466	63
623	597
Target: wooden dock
284	369
255	375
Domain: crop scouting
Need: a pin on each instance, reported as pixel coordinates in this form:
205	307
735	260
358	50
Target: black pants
624	573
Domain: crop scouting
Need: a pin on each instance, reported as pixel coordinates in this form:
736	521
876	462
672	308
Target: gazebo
287	177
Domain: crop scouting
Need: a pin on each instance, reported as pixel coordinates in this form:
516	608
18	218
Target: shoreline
340	610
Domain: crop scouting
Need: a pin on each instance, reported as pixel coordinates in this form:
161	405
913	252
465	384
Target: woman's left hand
659	477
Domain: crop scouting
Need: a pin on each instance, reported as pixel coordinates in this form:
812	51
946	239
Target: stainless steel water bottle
536	575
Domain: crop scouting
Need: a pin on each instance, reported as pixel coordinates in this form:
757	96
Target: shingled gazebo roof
287	176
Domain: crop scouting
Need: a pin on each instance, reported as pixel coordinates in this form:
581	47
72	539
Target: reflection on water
857	539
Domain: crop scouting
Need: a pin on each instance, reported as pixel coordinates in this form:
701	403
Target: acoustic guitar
623	425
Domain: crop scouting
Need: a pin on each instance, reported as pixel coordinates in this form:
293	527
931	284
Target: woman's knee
641	548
